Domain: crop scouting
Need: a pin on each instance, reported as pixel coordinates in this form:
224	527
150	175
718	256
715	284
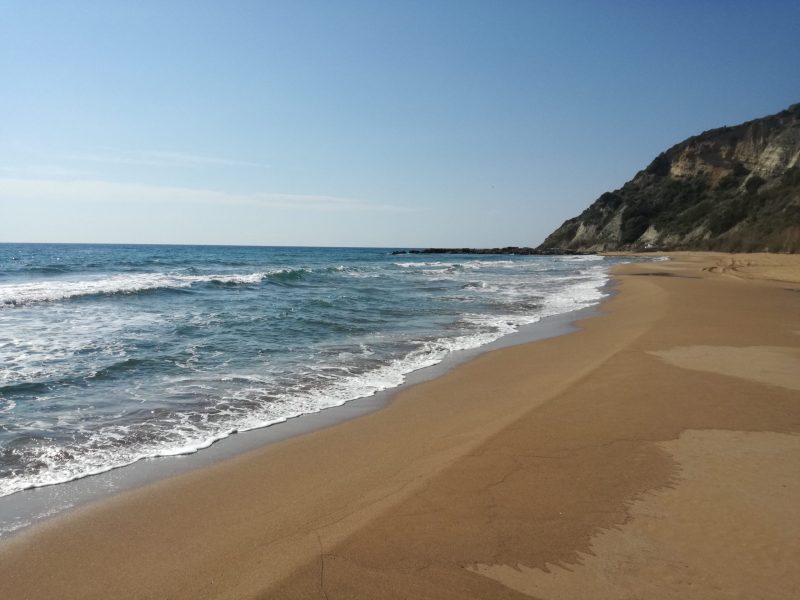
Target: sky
369	123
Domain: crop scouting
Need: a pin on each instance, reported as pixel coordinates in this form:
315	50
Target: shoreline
584	462
33	506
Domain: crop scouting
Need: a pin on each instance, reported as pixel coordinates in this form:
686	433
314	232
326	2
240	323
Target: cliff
733	189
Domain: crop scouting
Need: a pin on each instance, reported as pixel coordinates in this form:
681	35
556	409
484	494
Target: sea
112	354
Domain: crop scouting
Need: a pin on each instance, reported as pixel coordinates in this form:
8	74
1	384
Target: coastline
476	483
33	506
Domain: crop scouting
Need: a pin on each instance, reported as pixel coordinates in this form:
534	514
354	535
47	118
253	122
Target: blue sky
360	123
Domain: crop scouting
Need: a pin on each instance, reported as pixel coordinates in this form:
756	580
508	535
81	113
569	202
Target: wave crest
21	294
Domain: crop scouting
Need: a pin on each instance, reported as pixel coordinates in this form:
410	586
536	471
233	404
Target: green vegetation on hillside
731	189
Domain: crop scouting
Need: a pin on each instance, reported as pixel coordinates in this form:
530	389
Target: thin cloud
194	160
32	190
43	171
155	158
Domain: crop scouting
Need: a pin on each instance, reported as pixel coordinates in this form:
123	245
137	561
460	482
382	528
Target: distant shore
651	454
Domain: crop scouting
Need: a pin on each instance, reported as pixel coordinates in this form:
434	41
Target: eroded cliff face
732	188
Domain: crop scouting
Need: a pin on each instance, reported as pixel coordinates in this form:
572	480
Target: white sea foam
477	264
427	264
240	401
582	258
577	295
468	264
17	523
14	294
252	403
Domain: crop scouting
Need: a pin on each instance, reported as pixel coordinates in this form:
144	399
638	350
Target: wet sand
653	453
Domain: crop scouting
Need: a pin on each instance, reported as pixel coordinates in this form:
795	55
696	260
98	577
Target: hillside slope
731	189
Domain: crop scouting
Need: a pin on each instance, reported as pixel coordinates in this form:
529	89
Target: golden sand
652	454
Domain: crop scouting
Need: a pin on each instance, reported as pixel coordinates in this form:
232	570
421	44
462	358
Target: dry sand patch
774	365
729	527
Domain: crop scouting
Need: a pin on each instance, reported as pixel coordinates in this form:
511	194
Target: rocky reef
514	250
733	189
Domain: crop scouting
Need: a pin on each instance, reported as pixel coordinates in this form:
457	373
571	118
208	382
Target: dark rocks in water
734	189
506	250
514	250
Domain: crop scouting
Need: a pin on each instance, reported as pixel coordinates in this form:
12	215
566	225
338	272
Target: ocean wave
410	265
236	402
49	269
252	407
23	387
21	294
286	276
123	366
477	263
467	264
583	258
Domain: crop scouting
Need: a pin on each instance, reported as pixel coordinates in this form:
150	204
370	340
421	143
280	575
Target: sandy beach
652	454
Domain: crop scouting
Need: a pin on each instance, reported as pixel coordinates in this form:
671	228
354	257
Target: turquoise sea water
111	354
